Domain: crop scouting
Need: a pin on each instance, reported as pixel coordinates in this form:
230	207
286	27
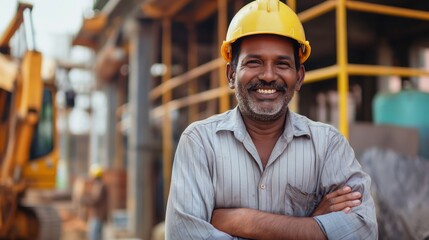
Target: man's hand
342	199
230	219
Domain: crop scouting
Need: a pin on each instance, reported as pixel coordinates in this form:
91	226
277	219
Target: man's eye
284	65
253	63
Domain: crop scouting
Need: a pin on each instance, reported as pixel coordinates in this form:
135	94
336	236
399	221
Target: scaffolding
341	70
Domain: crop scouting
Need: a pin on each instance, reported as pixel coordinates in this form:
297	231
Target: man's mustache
267	85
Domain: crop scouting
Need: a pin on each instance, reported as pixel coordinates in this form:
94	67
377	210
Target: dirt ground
73	227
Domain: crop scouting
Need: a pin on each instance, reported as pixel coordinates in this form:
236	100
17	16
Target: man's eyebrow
285	57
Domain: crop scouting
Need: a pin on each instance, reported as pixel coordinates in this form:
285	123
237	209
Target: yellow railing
341	70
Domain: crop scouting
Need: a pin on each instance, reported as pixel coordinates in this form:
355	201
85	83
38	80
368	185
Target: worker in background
95	199
261	171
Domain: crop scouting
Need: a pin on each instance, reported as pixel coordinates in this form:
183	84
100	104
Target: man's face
265	77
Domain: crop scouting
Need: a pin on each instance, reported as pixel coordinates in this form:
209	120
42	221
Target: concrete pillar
109	139
140	185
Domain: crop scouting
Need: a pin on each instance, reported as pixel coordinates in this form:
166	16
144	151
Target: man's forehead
264	44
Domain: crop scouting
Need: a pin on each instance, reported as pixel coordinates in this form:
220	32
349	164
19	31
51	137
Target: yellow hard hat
96	171
266	17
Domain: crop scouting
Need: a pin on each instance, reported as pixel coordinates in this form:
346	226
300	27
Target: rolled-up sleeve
342	169
191	200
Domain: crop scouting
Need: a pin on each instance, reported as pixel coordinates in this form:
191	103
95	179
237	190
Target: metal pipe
343	81
387	10
224	104
363	70
316	11
369	70
321	74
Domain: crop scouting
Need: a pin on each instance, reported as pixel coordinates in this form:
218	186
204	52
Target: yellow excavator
28	147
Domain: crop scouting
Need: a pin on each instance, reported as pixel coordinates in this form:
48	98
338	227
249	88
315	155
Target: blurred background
119	81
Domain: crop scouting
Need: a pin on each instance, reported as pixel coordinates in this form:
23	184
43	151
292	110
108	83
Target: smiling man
261	171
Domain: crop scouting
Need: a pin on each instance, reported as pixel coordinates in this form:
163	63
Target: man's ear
230	75
300	78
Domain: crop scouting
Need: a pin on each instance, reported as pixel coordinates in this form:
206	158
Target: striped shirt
217	166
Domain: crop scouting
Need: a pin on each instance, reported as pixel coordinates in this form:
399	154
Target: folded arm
254	224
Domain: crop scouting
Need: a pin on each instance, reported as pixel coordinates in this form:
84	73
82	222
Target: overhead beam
153	11
111	17
202	10
205	10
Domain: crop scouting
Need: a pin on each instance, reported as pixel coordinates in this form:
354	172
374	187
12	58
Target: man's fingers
346	197
347	210
355	195
339	192
345	190
342	199
344	205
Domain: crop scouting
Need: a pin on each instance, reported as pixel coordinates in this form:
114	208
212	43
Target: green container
408	108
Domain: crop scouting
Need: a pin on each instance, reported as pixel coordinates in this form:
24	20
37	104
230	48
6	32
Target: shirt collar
296	126
233	121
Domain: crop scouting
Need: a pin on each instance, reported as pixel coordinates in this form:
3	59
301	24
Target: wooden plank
167	124
186	77
192	63
189	100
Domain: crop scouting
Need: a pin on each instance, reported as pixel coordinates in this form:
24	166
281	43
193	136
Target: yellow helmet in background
96	171
266	17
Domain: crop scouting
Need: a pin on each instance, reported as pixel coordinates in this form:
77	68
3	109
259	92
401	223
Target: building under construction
159	67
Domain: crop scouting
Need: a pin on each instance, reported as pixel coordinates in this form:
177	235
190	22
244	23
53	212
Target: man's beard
256	111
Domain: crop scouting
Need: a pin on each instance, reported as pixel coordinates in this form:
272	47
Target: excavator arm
26	159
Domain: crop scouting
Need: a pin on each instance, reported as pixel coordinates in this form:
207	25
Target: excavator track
48	221
7	210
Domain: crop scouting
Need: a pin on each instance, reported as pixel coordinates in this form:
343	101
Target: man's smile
266	94
266	91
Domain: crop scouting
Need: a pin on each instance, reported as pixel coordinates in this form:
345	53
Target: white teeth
266	91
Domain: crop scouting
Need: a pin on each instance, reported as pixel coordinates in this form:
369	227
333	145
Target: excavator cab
28	148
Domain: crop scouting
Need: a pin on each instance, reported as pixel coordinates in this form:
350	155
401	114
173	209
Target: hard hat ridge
268	5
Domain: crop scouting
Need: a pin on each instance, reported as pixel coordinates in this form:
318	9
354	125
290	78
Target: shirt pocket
299	203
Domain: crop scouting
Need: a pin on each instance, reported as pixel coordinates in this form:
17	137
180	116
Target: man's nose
268	73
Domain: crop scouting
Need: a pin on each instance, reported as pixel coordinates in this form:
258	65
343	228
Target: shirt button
262	186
